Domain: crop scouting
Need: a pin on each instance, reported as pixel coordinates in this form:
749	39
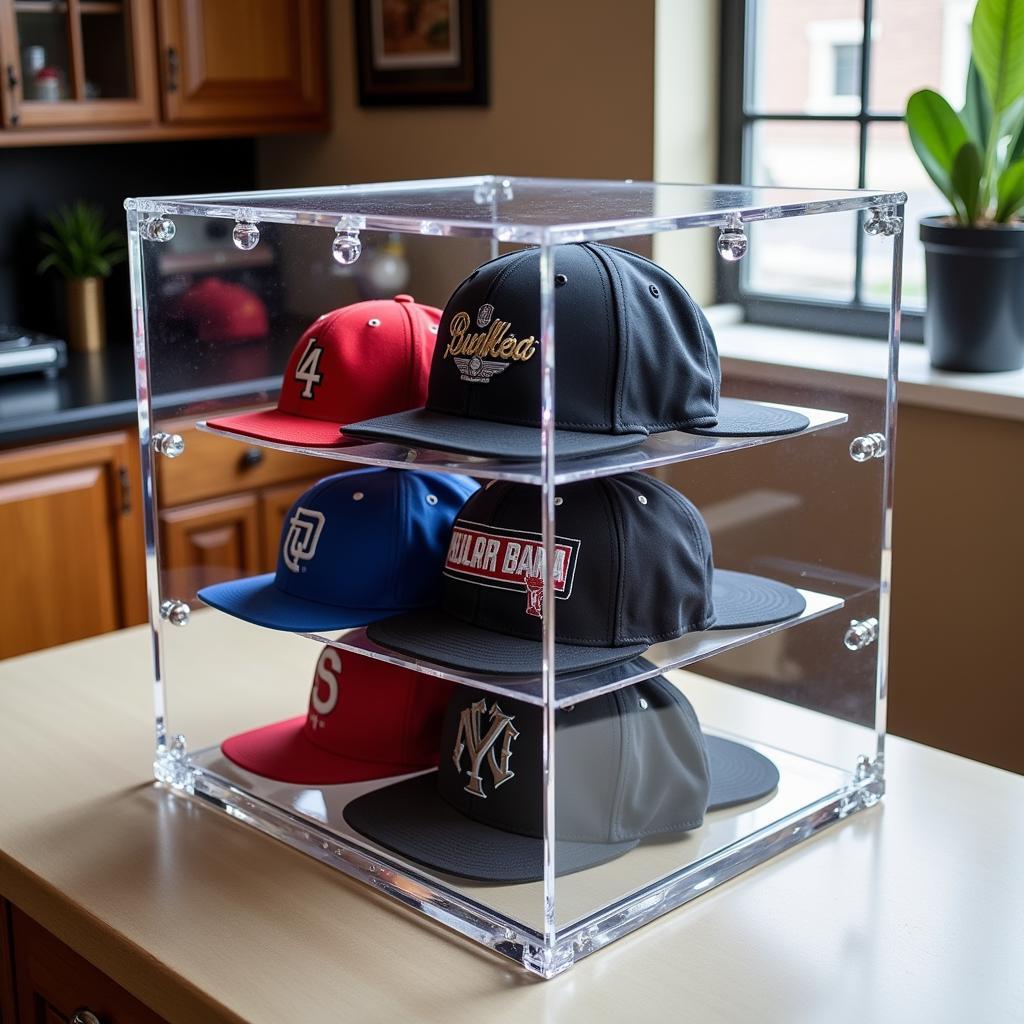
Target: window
813	94
845	70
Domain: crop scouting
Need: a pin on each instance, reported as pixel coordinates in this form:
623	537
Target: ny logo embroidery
480	746
304	529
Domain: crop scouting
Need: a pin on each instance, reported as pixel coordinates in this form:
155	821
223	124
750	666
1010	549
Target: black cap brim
437	636
739	418
411	819
744	601
429	429
738	773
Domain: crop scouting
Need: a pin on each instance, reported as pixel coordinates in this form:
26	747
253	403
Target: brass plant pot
86	322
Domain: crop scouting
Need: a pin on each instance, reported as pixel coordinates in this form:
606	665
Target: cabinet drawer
53	982
213	466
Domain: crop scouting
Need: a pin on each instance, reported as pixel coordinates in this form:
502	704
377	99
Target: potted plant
81	249
974	257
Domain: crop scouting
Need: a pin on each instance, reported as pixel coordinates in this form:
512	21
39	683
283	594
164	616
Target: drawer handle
252	457
84	1016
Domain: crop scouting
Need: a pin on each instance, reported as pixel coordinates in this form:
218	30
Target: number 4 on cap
308	366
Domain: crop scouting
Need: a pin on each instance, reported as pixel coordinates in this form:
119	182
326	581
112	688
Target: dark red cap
223	311
367	719
368	359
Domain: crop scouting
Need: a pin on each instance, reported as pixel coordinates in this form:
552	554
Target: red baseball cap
368	359
367	719
223	311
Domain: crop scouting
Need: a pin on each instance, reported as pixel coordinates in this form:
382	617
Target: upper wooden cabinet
110	70
76	62
247	59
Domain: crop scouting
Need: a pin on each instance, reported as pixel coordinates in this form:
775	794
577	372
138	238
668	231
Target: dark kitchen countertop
96	391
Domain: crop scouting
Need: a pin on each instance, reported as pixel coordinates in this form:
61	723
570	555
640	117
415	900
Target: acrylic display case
591	777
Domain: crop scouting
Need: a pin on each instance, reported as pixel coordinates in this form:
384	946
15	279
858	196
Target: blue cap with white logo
356	547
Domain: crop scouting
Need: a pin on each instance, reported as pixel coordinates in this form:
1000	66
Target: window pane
918	44
806	56
892	164
805	256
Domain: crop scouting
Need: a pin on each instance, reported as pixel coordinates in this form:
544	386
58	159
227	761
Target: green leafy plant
976	156
78	244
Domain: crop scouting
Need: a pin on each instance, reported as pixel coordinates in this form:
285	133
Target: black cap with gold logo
635	356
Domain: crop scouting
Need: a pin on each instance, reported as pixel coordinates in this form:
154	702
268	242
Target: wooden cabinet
70	542
226	60
6	966
78	62
113	70
222	504
54	985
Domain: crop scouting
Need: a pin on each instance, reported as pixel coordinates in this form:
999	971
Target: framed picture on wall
421	52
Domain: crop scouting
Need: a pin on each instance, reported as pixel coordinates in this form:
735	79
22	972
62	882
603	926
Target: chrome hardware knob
171	445
732	240
84	1016
861	634
175	612
868	446
347	247
252	457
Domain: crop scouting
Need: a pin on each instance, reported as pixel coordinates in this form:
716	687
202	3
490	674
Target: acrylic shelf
658	450
570	688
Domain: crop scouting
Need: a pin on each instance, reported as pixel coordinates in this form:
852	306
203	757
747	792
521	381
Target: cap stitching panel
704	623
607	488
626	724
409	325
604	267
699	421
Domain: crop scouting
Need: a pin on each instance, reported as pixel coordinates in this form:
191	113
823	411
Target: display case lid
525	210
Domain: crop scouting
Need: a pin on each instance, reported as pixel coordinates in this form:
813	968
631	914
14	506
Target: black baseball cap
629	764
636	356
633	567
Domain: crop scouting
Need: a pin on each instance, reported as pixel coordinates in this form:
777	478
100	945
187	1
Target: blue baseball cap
356	547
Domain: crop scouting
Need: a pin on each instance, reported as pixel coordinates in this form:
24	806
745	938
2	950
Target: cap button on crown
404	298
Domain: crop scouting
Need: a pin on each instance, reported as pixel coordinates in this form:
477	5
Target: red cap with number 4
364	360
367	719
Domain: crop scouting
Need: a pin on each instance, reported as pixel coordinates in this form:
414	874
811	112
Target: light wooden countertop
913	911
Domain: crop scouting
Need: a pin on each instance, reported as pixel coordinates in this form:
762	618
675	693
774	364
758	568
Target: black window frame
736	123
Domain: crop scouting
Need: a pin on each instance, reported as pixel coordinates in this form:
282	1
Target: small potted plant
81	249
974	257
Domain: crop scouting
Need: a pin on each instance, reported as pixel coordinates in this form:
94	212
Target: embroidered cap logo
304	529
479	747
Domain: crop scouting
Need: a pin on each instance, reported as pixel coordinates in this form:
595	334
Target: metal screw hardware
868	446
175	612
245	234
252	456
883	221
158	229
862	633
84	1016
346	247
732	240
171	445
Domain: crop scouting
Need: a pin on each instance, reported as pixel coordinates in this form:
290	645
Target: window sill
756	352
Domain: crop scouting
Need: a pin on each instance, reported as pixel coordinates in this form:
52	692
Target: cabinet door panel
209	542
70	548
53	981
242	59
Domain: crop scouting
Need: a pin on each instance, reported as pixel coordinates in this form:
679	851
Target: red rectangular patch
505	558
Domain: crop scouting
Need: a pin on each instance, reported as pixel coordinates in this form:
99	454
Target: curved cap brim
411	819
437	636
738	773
742	600
256	599
739	418
283	752
425	428
282	427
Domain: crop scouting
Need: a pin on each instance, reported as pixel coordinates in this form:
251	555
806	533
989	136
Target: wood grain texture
70	542
53	982
243	59
909	912
7	1002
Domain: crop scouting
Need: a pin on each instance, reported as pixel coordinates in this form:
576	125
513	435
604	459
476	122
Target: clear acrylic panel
569	804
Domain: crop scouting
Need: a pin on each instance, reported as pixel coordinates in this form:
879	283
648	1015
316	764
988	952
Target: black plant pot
974	320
